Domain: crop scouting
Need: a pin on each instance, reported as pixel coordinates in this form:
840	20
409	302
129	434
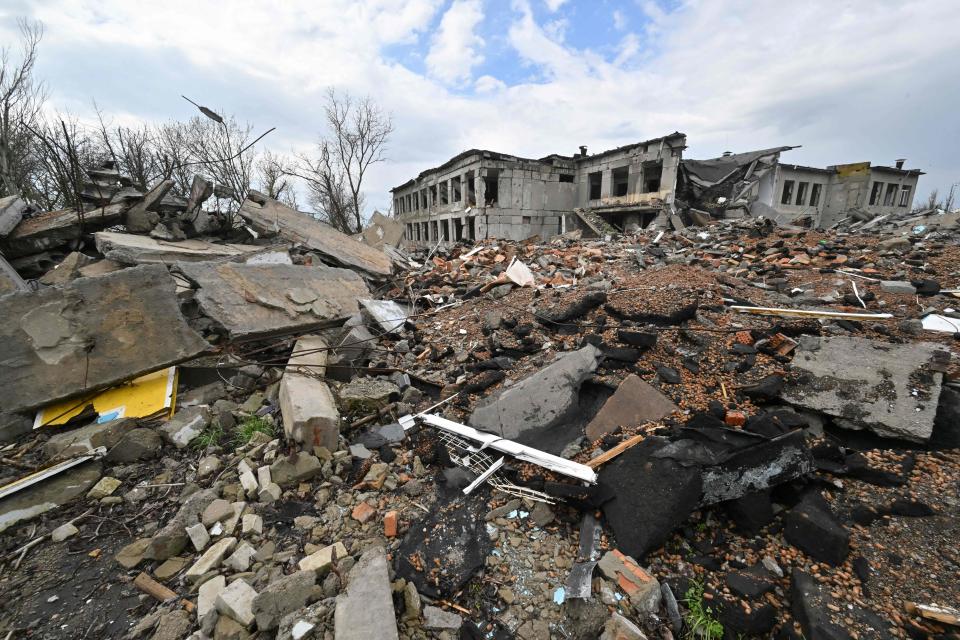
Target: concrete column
481	188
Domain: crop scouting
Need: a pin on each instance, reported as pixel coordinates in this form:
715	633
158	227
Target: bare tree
273	175
21	99
358	135
932	199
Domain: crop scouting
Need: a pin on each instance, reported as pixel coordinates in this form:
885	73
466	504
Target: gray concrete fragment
172	538
539	402
634	403
185	425
55	228
236	601
12	209
366	609
252	301
437	618
271	217
89	334
887	388
386	314
281	597
309	411
127	248
51	493
67	444
141	218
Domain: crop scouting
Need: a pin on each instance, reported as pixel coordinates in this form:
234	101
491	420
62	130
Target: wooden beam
606	456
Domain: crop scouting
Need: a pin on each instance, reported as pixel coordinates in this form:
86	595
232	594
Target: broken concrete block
241	559
634	403
141	218
535	410
12	209
281	597
126	248
366	609
321	561
104	487
199	536
249	483
208	594
437	618
387	315
620	628
136	444
309	357
890	389
254	300
76	442
309	412
894	286
67	270
236	601
382	231
295	468
63	532
57	490
172	538
367	394
90	334
185	425
273	218
252	523
217	511
54	228
270	493
211	558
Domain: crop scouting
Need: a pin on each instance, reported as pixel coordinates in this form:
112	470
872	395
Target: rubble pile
258	427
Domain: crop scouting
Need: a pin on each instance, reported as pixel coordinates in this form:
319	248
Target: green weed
699	618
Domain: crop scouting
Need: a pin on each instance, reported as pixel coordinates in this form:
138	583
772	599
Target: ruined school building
484	194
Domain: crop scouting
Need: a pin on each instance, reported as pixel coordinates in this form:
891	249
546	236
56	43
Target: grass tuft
699	618
252	425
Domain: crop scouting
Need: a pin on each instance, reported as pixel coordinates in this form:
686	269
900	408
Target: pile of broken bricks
735	430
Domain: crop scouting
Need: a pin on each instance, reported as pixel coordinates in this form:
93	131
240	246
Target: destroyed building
485	194
757	184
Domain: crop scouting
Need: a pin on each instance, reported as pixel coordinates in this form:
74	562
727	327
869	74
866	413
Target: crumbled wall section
94	332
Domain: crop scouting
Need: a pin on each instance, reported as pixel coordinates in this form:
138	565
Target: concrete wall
638	161
800	206
900	181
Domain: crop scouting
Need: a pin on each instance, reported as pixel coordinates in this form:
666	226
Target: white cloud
489	84
554	5
455	48
619	20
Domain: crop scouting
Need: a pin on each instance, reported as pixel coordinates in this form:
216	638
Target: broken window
433	195
471	233
471	190
875	193
815	194
802	192
905	197
652	175
891	196
491	187
444	199
423	199
787	197
458	229
566	177
526	220
424	231
456	193
434	231
444	230
620	176
596	180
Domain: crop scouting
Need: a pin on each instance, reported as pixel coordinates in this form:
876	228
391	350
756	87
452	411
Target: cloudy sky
849	80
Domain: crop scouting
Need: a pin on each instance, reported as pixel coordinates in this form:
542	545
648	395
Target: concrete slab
634	403
12	209
366	609
131	249
55	228
887	388
256	301
528	410
270	217
382	231
49	494
90	334
309	411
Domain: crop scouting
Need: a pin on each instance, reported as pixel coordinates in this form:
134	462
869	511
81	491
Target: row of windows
890	196
802	189
452	229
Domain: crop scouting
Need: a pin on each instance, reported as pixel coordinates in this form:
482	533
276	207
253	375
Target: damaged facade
484	194
757	184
